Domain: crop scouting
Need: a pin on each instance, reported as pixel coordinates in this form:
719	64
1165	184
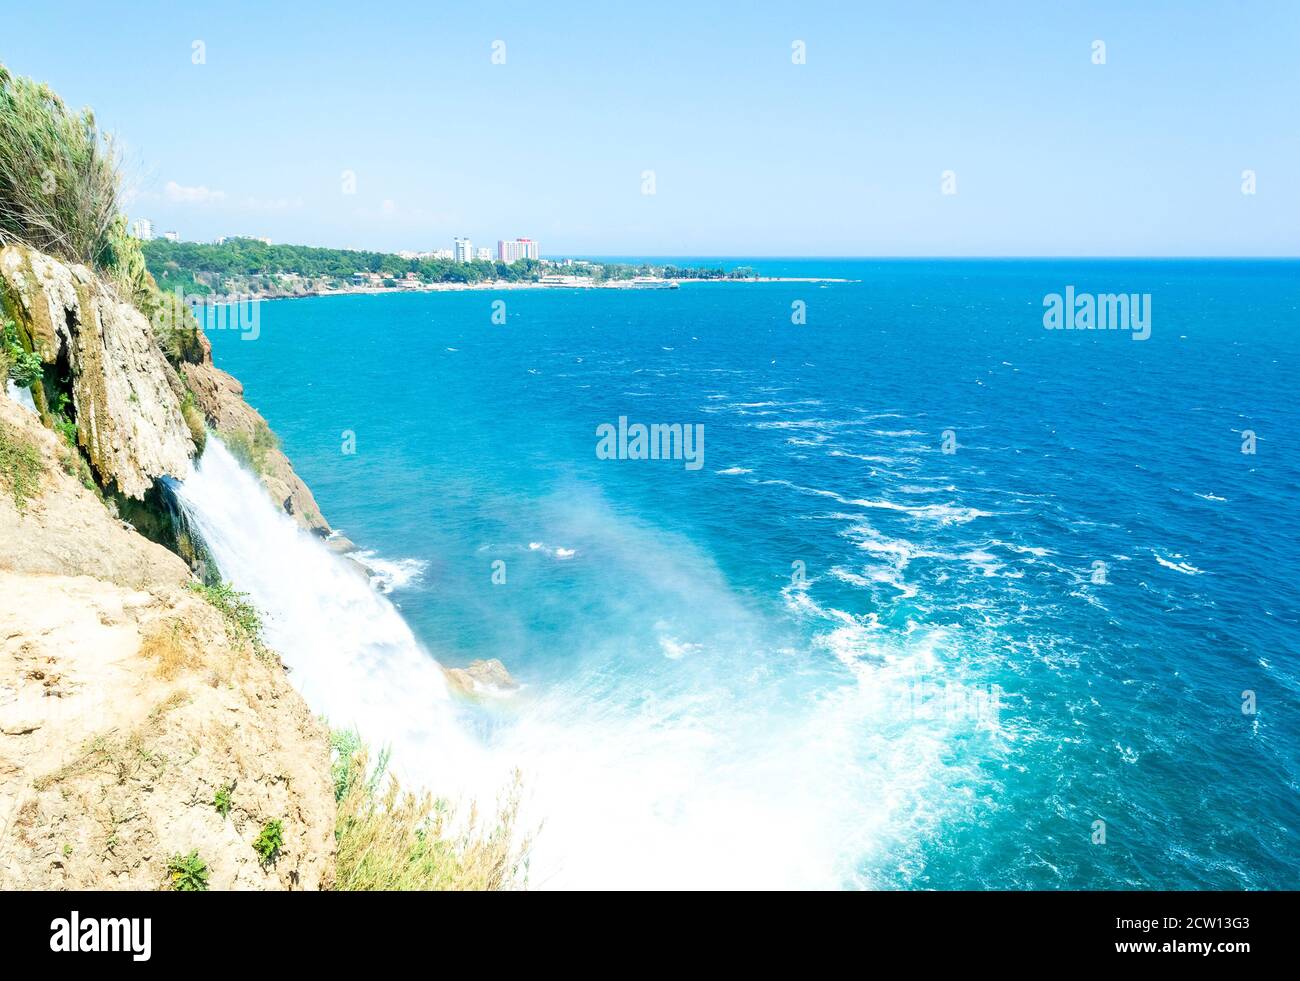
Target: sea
935	598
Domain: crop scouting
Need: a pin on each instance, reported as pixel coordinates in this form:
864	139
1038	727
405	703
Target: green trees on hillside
203	268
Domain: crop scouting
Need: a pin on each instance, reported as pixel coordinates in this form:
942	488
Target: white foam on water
684	749
1186	568
391	574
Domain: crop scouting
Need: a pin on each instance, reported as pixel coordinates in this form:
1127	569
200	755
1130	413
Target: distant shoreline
501	285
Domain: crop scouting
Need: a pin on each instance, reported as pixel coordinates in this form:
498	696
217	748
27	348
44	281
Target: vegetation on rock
269	841
188	873
58	176
243	621
193	416
223	799
20	466
252	448
392	839
18	365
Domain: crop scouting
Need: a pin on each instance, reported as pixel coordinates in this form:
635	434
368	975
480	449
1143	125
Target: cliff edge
130	706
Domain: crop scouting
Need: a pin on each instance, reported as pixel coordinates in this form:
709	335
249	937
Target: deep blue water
672	594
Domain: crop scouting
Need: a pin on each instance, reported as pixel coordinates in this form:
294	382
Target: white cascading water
23	396
690	786
349	651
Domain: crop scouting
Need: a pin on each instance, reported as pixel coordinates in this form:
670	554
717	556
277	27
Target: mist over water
687	776
696	709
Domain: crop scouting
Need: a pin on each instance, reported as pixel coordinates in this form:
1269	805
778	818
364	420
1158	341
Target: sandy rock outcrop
67	530
123	713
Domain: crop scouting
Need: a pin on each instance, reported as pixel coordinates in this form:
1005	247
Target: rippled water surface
836	655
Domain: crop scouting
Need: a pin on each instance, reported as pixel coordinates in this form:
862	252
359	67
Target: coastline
496	286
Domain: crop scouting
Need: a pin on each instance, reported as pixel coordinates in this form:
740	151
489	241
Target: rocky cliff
100	355
139	722
138	384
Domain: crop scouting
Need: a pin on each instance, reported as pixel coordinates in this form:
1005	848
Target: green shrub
222	800
58	176
269	842
20	466
252	448
173	322
188	873
59	193
21	367
193	417
243	621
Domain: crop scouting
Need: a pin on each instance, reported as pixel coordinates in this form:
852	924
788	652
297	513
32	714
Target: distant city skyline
826	129
462	249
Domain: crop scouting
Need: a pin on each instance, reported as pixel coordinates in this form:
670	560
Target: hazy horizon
904	131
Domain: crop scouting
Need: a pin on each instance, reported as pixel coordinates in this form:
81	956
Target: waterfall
655	776
23	396
349	651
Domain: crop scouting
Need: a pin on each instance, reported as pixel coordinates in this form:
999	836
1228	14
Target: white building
142	228
462	250
483	254
514	249
172	236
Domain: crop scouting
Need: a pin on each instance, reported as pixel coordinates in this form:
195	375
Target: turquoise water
987	651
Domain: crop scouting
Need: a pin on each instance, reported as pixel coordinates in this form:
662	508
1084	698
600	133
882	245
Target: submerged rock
480	678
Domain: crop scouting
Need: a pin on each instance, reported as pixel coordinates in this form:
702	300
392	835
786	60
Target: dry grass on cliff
170	644
58	175
390	839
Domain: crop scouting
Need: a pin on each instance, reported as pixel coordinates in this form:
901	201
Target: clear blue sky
752	154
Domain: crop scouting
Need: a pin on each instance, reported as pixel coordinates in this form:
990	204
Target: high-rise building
142	228
462	250
514	249
483	254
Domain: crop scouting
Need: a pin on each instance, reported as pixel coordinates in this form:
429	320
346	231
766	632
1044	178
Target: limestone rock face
126	397
66	530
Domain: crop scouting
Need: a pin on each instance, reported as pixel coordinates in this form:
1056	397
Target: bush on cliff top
391	839
58	176
59	193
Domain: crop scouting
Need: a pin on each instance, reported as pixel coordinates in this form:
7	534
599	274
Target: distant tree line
249	264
